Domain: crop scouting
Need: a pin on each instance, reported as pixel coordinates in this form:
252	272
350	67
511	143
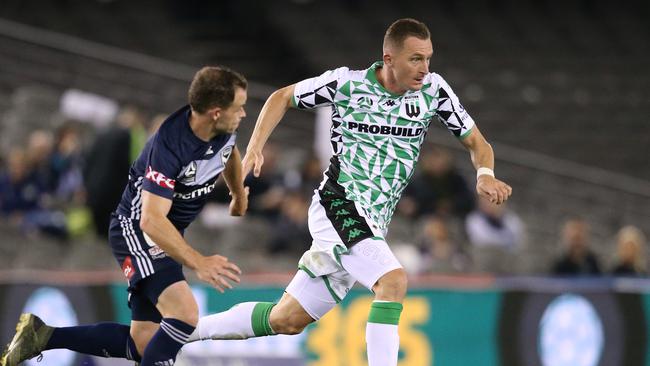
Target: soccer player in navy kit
168	186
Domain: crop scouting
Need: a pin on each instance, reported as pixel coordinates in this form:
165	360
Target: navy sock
166	343
102	339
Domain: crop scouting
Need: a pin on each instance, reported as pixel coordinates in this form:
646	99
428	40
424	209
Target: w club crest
412	109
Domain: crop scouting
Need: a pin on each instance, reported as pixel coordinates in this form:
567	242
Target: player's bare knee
189	315
289	325
284	322
187	312
392	286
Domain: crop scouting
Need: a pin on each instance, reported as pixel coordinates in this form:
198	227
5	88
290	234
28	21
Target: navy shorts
147	268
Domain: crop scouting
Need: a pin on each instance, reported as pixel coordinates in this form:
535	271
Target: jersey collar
372	77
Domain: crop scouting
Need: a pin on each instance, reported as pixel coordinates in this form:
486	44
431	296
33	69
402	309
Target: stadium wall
450	321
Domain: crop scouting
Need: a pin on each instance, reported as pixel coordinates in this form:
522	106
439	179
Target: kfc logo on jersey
159	178
127	268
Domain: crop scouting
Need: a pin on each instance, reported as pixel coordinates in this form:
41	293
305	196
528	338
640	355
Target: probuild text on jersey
385	130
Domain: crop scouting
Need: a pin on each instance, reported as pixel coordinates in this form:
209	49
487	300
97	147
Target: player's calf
382	337
288	317
141	333
254	319
180	315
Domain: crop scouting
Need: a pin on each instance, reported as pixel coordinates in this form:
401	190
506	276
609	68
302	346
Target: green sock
260	319
385	312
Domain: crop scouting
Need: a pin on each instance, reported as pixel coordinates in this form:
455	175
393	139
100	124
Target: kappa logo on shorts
354	233
127	268
350	222
337	202
342	213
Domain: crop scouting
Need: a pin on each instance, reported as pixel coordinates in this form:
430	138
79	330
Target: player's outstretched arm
272	112
215	270
482	156
235	182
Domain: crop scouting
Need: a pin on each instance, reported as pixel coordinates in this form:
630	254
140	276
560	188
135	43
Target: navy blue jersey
177	165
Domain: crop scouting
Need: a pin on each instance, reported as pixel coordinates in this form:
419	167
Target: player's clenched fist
493	189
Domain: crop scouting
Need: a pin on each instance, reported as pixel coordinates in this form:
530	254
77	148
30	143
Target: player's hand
492	189
218	272
239	203
252	160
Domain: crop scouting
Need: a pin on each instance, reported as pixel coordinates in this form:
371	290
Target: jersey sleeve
450	112
162	167
318	91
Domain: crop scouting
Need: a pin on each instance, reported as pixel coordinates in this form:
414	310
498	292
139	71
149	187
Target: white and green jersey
376	135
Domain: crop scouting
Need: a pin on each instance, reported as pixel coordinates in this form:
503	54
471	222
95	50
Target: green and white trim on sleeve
376	136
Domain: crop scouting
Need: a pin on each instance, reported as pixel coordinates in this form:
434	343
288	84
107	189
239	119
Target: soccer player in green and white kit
380	117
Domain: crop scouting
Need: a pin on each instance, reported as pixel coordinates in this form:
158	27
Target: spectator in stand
65	165
290	232
40	146
630	247
491	225
306	177
69	193
107	164
495	234
311	174
20	188
266	191
578	259
155	123
439	252
21	195
438	189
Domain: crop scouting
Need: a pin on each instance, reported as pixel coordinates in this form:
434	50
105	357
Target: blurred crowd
64	182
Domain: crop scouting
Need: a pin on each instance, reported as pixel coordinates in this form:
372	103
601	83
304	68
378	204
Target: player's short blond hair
402	29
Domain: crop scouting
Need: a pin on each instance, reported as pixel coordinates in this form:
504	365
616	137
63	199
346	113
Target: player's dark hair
214	86
404	28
